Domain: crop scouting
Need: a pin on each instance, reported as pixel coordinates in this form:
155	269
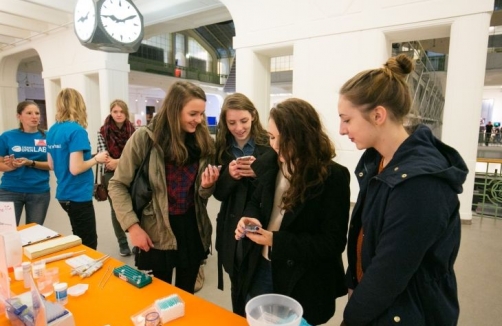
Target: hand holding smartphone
243	158
252	228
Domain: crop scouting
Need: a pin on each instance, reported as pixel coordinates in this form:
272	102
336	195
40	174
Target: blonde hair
70	106
384	86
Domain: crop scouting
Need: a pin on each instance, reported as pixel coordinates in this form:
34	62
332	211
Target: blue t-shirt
63	139
33	147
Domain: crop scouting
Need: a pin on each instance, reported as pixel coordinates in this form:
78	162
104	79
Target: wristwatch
32	163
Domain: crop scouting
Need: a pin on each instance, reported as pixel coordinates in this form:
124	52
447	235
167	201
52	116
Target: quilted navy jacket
410	218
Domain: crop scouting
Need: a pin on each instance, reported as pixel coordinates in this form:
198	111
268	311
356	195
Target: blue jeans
262	280
82	220
119	233
36	205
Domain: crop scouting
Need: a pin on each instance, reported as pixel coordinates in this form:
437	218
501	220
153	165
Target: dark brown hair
238	101
305	146
384	86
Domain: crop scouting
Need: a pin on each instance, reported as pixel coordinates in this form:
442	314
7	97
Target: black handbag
100	192
140	191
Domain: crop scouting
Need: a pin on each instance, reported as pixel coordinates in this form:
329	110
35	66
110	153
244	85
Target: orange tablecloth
117	301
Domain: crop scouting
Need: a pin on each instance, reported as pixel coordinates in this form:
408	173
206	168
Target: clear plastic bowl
273	309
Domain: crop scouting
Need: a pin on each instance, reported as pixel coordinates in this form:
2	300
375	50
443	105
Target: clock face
85	19
121	20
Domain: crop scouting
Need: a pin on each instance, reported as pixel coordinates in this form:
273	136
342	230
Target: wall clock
117	25
85	19
121	20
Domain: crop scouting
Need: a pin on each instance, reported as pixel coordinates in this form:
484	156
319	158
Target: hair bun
400	64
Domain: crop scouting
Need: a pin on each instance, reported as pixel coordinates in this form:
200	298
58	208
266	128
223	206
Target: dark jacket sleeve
329	212
225	186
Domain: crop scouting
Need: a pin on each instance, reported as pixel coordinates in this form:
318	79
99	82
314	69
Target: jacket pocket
406	310
149	223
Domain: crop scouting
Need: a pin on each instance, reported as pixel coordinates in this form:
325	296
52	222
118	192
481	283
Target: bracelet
97	162
32	163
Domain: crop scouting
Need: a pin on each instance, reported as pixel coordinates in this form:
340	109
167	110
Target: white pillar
113	84
8	103
464	94
253	79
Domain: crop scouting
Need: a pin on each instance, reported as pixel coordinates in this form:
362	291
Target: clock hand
83	18
117	20
127	18
112	17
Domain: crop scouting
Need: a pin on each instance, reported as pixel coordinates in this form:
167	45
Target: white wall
495	93
332	41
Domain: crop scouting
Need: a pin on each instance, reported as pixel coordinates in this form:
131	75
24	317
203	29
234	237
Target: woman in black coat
240	140
301	206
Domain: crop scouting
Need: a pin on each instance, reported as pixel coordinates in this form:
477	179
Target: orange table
117	301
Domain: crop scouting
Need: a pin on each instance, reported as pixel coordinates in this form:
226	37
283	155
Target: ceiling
24	20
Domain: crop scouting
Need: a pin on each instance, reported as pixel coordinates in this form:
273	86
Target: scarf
114	137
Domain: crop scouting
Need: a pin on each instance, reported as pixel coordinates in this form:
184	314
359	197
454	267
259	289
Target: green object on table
132	276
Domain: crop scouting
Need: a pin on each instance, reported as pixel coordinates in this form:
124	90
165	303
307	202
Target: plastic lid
78	289
60	286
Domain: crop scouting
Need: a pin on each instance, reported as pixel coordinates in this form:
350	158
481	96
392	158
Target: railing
487	197
425	86
493	139
161	68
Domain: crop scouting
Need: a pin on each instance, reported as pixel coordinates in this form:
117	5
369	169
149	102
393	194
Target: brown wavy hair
306	148
384	86
167	127
237	101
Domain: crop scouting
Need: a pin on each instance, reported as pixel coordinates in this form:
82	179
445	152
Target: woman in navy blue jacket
301	205
404	233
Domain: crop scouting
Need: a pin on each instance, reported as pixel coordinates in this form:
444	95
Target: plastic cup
46	281
38	268
152	319
273	309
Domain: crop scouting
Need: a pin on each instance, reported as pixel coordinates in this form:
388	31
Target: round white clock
121	20
85	19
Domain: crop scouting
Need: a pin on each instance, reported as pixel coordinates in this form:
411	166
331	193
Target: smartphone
244	158
252	228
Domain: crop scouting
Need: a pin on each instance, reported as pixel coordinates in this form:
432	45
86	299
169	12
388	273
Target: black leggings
162	264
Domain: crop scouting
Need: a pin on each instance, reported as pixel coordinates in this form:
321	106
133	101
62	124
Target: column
464	94
8	103
253	80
